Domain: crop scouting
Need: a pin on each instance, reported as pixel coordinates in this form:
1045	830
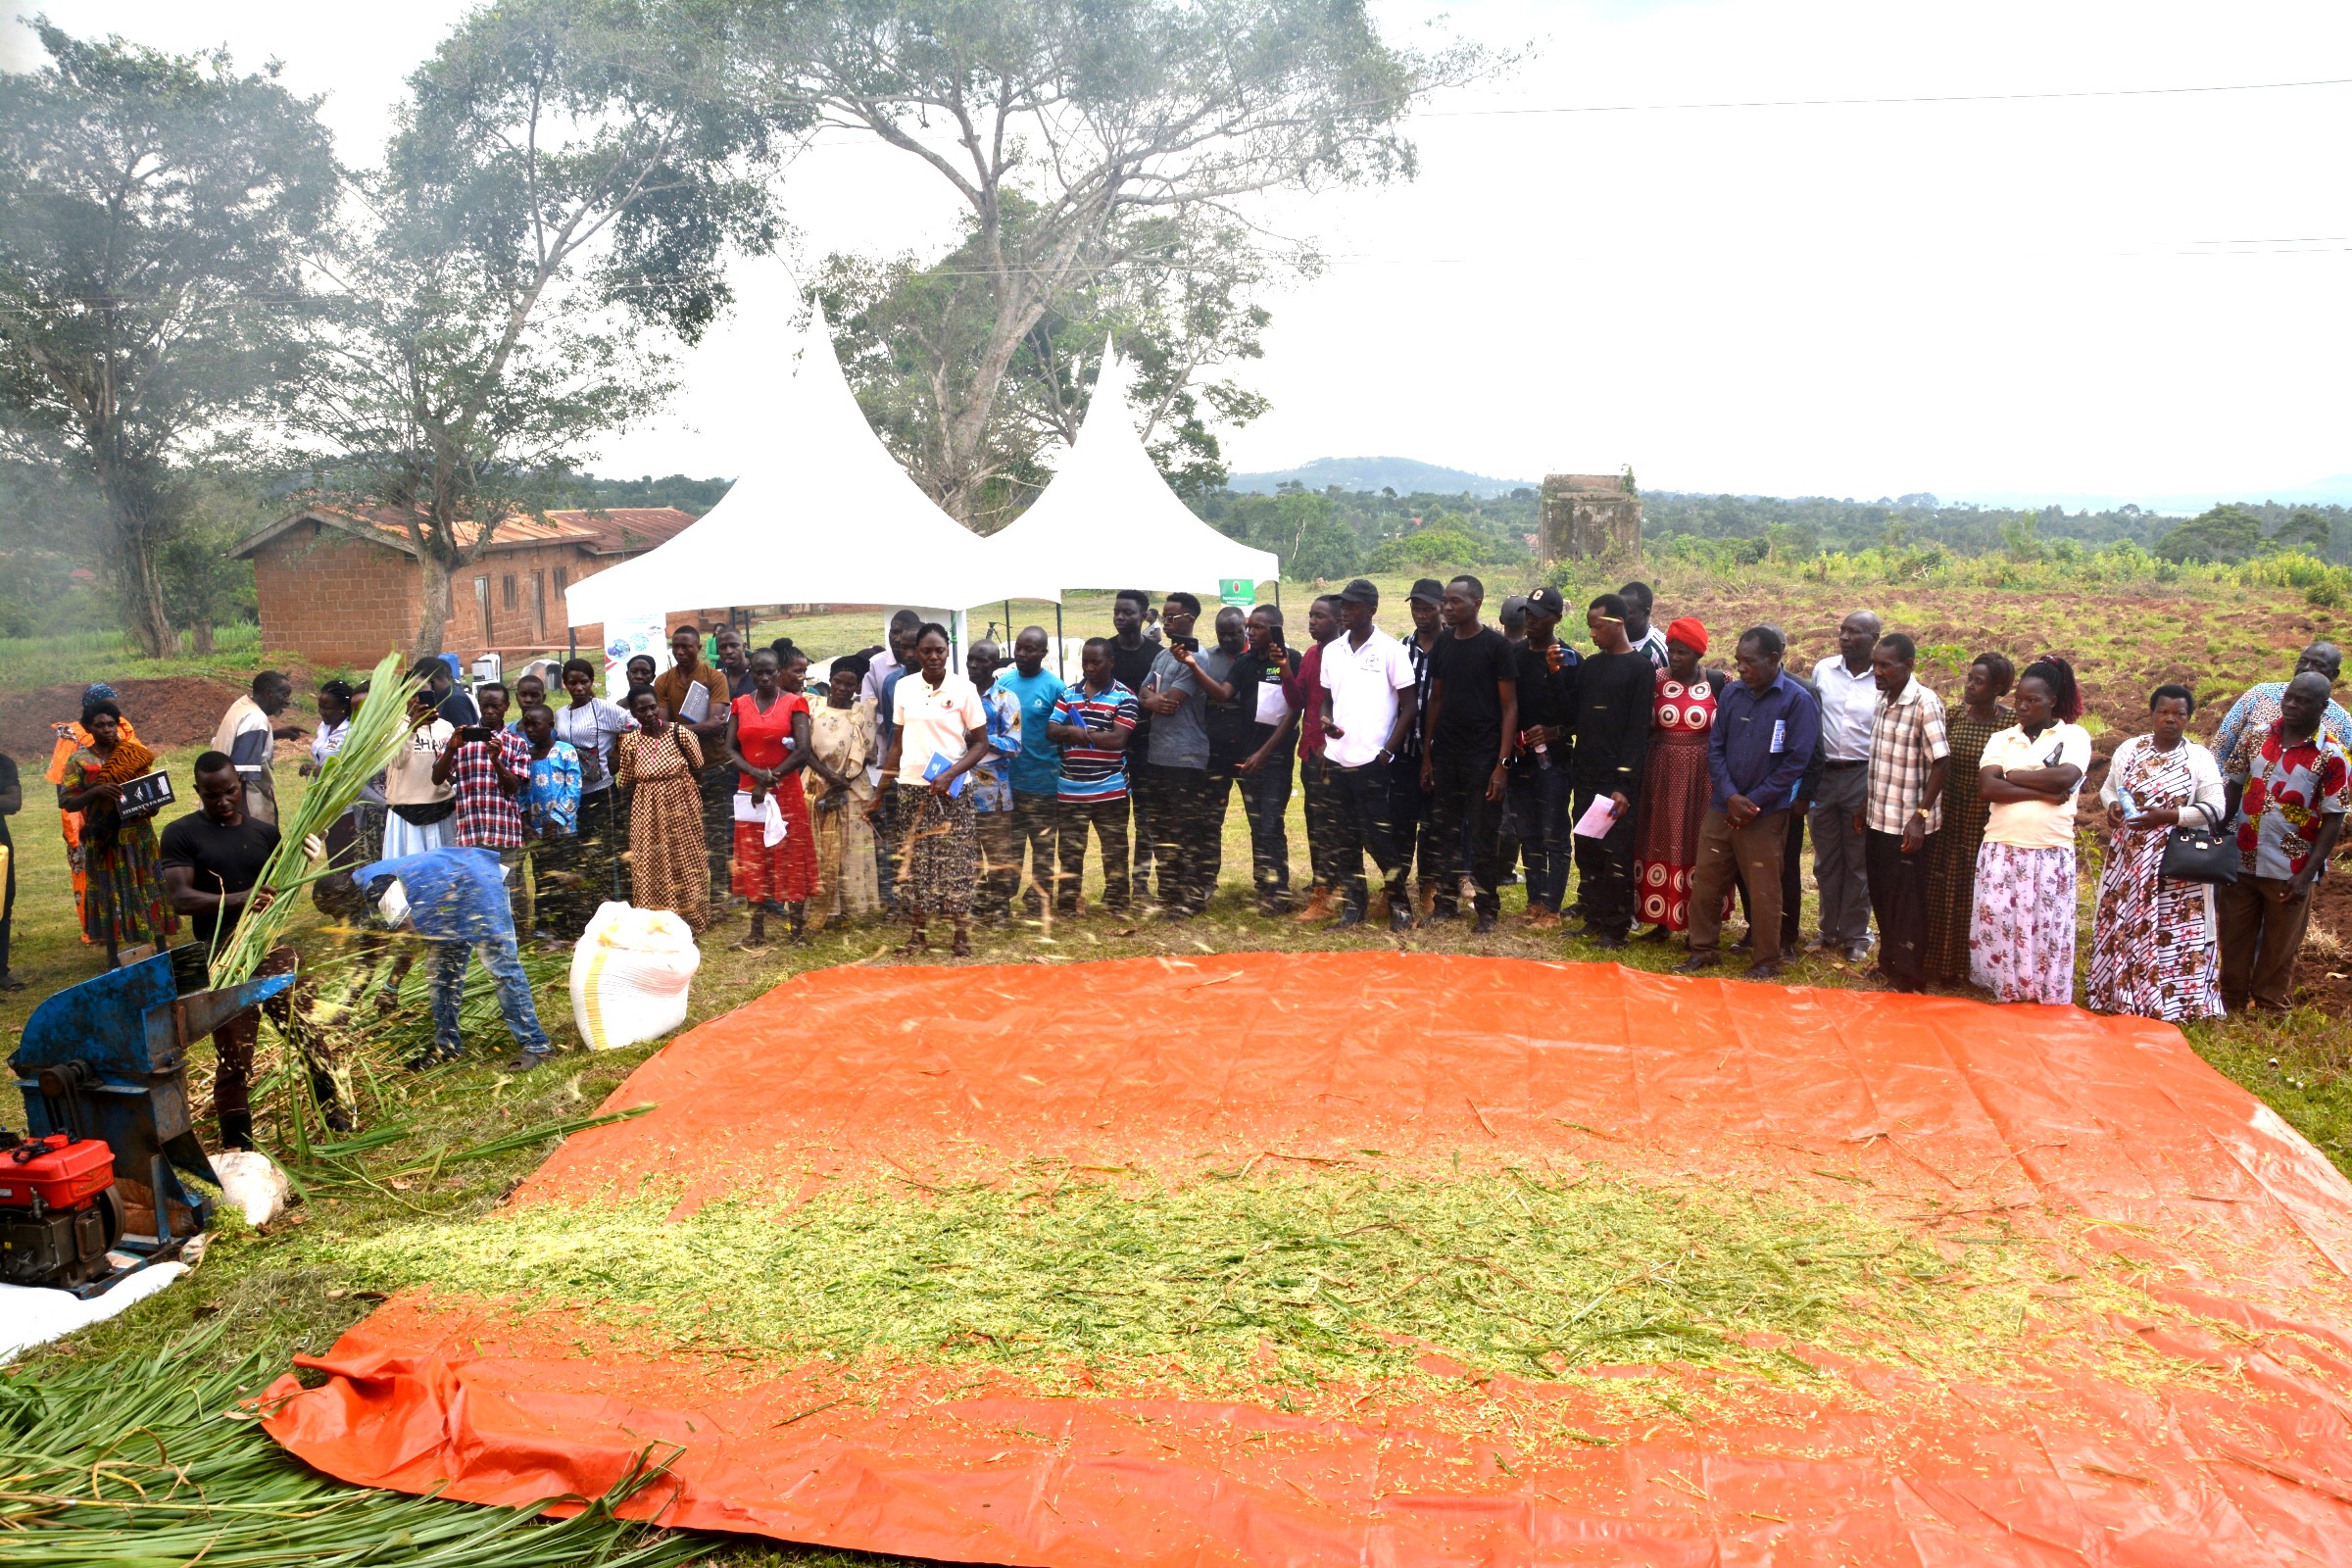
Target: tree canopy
160	207
565	173
1084	139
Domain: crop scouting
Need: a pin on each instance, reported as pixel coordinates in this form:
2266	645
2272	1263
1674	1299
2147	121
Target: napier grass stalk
148	1458
379	730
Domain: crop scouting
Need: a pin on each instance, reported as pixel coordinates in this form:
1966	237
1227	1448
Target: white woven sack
630	974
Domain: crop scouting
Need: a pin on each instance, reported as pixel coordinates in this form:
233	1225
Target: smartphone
476	732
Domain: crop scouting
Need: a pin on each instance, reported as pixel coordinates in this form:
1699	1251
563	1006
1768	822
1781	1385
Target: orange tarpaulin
2109	1134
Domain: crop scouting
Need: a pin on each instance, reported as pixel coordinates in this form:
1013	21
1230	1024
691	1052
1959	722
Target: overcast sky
2123	295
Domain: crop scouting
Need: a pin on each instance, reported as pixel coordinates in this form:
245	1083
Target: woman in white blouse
2020	938
419	808
2153	950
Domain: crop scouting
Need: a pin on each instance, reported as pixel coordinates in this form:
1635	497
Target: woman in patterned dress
767	740
1951	852
669	868
1675	788
125	904
841	747
2021	934
2153	950
941	735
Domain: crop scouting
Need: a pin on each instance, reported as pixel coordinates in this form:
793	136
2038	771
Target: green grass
79	657
1236	1288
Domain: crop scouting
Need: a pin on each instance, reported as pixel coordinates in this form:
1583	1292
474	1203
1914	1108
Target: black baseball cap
1430	589
1547	602
1359	590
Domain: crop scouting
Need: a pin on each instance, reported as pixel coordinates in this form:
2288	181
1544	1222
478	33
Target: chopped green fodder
133	1460
1339	1277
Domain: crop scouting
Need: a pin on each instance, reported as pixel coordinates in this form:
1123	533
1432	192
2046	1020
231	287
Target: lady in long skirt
1674	782
841	747
670	867
942	732
1951	850
767	740
2021	937
2152	941
125	904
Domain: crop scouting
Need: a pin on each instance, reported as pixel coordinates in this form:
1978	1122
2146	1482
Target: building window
562	580
539	606
481	599
506	588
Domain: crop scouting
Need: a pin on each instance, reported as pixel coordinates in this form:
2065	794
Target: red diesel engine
59	1210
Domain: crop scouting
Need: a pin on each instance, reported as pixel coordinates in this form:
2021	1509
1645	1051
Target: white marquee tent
1107	519
821	514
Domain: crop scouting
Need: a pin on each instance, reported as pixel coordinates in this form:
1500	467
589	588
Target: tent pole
1062	658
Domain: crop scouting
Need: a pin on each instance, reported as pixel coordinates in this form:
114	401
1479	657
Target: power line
1926	98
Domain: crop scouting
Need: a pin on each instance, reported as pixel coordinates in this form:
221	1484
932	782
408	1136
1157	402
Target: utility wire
1925	98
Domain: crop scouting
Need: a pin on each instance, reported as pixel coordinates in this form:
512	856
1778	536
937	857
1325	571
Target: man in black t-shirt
1540	774
1615	692
1132	655
12	800
212	864
1473	728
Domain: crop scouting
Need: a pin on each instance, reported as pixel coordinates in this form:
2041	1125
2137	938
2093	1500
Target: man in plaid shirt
489	776
1910	758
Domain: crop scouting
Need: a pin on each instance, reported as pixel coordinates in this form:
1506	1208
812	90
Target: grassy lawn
288	1289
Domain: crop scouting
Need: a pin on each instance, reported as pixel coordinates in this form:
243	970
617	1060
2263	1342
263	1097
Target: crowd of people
1630	785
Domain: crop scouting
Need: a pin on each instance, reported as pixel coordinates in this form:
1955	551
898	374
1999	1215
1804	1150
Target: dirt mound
177	710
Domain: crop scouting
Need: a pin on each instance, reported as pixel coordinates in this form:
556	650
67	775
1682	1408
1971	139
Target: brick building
342	588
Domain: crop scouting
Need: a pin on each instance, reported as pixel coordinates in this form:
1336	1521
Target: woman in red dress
767	740
1673	784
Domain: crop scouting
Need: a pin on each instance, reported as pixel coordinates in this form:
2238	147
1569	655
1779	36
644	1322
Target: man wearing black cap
1408	797
1473	726
1368	707
1542	780
1613	702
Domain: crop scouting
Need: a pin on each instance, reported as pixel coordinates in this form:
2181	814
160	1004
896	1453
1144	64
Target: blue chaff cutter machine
105	1059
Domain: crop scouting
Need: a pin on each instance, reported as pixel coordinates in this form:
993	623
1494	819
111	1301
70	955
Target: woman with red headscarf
1675	789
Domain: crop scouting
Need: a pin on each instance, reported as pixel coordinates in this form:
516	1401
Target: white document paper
768	814
695	706
1272	706
1598	818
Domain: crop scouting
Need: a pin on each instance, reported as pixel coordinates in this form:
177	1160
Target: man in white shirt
1368	706
1849	707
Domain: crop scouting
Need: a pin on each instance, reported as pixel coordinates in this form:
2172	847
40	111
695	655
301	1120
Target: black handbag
2206	852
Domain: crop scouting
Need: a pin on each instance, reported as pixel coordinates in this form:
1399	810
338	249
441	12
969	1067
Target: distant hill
1405	476
2333	491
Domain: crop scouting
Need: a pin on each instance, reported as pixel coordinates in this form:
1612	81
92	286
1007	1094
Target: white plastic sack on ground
251	1182
30	1315
630	972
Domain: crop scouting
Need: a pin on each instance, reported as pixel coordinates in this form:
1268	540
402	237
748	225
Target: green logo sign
1238	592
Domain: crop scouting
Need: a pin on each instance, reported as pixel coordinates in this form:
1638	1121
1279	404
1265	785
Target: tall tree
912	338
566	175
1074	132
152	293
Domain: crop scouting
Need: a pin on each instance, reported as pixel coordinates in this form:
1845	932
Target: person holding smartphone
487	767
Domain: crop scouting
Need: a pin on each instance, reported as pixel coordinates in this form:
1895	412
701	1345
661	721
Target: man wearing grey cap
1368	707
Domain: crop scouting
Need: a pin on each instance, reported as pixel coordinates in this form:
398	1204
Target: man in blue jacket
1765	727
457	902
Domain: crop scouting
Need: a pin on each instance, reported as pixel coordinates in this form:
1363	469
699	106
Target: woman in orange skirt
767	740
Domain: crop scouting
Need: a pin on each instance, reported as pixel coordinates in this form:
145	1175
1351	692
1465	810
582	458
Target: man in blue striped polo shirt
1093	723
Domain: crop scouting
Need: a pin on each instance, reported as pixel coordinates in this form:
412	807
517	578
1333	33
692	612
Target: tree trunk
142	587
200	637
433	576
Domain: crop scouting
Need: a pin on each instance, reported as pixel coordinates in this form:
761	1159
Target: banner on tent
625	637
1238	592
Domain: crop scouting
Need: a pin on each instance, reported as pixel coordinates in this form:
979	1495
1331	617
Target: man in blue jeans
457	901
